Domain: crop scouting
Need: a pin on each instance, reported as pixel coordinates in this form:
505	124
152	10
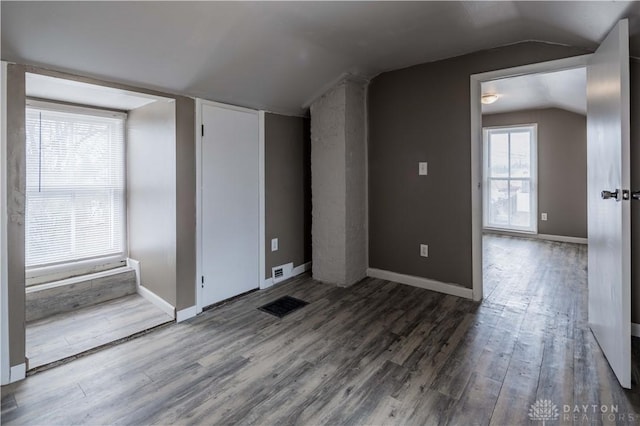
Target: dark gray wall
287	190
562	167
635	186
422	113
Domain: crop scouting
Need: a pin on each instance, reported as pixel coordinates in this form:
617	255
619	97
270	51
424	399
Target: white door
230	203
609	214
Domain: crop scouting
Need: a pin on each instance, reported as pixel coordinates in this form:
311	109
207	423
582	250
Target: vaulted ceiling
281	55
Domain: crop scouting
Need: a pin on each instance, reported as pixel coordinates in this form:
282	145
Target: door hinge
202	284
202	129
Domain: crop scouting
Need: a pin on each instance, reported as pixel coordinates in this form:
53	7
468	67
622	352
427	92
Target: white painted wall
151	196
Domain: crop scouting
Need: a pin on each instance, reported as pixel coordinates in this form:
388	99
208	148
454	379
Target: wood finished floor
375	353
70	333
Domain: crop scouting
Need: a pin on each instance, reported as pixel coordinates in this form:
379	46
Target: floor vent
282	272
283	306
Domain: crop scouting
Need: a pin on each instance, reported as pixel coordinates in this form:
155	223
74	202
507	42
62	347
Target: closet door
229	202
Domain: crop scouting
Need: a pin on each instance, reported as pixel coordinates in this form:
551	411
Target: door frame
261	194
476	81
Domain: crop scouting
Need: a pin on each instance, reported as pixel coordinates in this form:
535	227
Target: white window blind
75	197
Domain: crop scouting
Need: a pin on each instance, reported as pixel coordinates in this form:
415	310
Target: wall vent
282	272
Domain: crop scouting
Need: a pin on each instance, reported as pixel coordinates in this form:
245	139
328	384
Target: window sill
77	279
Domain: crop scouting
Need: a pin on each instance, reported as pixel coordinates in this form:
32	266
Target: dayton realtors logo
544	410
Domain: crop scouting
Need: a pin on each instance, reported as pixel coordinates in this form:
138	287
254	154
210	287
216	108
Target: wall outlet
422	168
543	216
424	250
274	244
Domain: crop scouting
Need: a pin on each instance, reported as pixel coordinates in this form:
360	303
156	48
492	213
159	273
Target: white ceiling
280	55
58	89
562	89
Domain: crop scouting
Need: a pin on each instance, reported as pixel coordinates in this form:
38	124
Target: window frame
67	269
532	128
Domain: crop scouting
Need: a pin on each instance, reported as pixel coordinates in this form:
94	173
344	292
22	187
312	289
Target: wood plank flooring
60	336
375	353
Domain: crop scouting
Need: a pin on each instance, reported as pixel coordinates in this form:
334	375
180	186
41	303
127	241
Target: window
75	196
510	196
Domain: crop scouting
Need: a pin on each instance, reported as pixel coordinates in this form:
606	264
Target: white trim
440	287
74	109
186	313
78	279
198	281
563	238
300	269
475	82
262	198
18	372
635	329
165	306
5	368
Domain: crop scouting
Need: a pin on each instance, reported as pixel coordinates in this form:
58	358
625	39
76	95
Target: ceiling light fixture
489	98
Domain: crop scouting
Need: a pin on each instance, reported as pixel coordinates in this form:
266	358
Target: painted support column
338	184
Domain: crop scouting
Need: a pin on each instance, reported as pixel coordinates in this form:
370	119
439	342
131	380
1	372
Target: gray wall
186	202
635	186
562	167
287	190
185	193
422	113
151	196
16	186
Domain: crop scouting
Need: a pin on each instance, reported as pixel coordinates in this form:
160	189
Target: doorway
608	195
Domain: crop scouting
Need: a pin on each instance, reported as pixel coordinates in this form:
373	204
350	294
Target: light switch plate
422	168
543	216
274	244
424	250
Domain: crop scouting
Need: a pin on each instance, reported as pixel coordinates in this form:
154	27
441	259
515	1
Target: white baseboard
452	289
635	329
186	313
300	269
563	239
157	300
266	283
18	372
